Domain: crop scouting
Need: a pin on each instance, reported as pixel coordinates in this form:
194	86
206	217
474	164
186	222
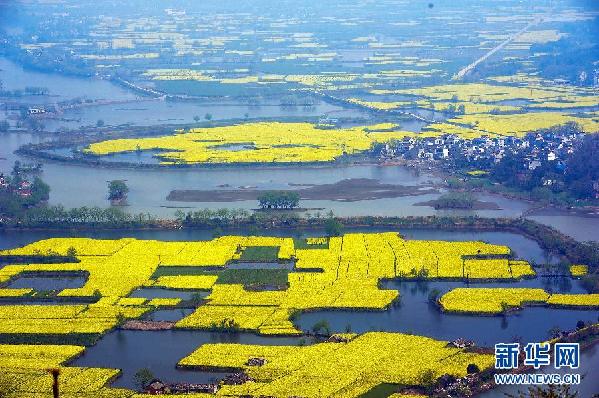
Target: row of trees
242	217
110	217
17	93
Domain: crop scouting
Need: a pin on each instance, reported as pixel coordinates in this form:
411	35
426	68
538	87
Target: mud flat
476	205
348	190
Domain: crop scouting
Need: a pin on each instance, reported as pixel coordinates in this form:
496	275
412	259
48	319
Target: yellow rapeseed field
264	142
490	300
336	369
497	300
338	272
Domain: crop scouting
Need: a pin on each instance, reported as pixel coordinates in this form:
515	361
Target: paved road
472	66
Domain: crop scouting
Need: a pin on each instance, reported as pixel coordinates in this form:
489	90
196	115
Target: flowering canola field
339	272
345	369
504	106
24	373
367	361
497	300
265	142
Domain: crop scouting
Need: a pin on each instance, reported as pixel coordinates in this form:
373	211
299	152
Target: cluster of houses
538	147
157	387
22	189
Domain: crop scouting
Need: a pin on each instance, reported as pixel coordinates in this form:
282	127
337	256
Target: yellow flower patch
579	270
265	142
336	369
574	300
490	300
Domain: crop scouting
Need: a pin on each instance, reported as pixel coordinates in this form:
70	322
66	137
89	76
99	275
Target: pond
45	283
160	351
127	108
172	315
268	266
155	112
580	228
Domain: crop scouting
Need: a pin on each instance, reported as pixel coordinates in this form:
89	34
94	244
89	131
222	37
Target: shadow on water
47	283
151	293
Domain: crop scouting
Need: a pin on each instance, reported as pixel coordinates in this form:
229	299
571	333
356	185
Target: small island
459	201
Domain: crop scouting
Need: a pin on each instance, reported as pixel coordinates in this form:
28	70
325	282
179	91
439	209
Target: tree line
58	216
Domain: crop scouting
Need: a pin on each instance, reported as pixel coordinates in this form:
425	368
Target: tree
433	295
55	372
4	126
196	299
100	123
16	168
472	368
333	227
117	190
196	118
279	200
71	252
208	116
143	377
455	200
583	167
427	380
40	191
